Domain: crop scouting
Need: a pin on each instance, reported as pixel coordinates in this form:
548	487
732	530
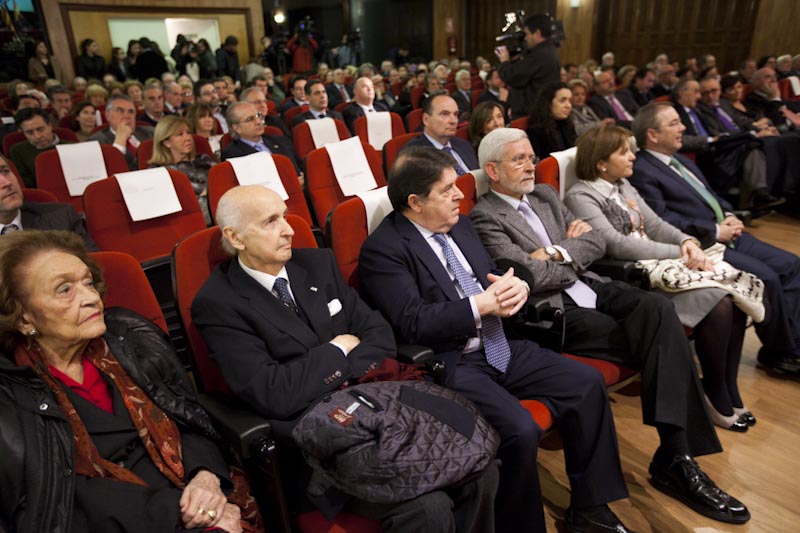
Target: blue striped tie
495	345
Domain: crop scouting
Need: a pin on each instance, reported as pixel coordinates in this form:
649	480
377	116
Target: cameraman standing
537	66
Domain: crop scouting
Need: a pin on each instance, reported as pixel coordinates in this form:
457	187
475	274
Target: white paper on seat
350	166
82	165
214	143
566	169
258	169
376	206
481	182
323	131
794	81
379	128
148	193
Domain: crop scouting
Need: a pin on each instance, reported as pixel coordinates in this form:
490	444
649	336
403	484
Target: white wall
163	31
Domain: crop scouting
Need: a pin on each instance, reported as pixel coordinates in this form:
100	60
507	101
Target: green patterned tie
697	186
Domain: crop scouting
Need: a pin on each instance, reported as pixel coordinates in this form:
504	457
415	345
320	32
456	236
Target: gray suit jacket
506	234
141	133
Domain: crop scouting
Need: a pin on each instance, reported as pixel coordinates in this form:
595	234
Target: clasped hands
504	297
729	229
203	504
695	258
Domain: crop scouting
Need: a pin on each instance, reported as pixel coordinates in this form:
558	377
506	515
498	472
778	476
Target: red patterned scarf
159	434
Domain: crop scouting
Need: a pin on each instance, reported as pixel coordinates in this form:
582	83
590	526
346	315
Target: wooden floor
760	467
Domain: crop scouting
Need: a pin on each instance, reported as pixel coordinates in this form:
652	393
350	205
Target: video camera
513	35
304	27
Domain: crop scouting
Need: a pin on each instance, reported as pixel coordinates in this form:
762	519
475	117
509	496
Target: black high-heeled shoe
745	415
732	422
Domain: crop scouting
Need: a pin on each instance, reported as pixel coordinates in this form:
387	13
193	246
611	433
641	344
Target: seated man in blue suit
677	191
247	131
440	121
425	268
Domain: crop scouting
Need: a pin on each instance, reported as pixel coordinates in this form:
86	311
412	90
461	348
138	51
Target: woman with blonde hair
173	147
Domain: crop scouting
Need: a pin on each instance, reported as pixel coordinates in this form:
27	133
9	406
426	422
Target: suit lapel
665	170
512	218
473	250
546	215
30	218
311	302
269	307
419	247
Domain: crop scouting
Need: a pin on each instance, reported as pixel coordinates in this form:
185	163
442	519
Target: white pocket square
334	306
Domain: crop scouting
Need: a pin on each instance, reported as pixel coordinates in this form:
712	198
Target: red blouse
94	388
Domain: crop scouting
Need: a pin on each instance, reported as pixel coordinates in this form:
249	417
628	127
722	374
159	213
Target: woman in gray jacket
611	205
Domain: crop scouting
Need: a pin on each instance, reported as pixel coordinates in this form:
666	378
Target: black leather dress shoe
762	199
787	363
685	481
608	523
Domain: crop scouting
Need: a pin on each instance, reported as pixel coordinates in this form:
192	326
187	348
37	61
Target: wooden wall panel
69	21
776	28
579	26
637	30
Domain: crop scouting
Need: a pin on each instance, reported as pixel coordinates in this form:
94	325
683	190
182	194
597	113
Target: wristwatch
551	251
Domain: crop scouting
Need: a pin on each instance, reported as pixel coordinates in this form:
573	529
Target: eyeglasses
520	161
209	93
187	93
252	118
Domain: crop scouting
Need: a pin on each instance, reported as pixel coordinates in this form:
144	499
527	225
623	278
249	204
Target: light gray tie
581	293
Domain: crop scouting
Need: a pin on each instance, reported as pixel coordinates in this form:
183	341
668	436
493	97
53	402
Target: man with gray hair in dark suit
604	319
122	132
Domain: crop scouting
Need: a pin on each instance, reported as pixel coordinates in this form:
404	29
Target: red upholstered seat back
393	147
111	225
221	178
414	120
519	123
293	112
127	286
324	190
466	182
38	195
50	175
304	142
547	172
348	232
193	260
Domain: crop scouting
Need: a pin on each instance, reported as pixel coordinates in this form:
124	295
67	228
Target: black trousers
464	508
641	330
576	396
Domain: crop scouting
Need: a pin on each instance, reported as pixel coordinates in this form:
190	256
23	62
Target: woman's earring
32	333
603	169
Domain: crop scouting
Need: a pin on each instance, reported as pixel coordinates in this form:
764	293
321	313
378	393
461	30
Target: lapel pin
312	289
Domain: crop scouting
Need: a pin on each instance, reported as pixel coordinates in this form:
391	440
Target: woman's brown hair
595	145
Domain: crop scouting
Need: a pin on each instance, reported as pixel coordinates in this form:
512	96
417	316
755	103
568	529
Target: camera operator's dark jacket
526	76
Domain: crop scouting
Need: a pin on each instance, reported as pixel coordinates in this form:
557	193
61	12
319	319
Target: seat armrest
248	433
422	355
620	270
538	309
